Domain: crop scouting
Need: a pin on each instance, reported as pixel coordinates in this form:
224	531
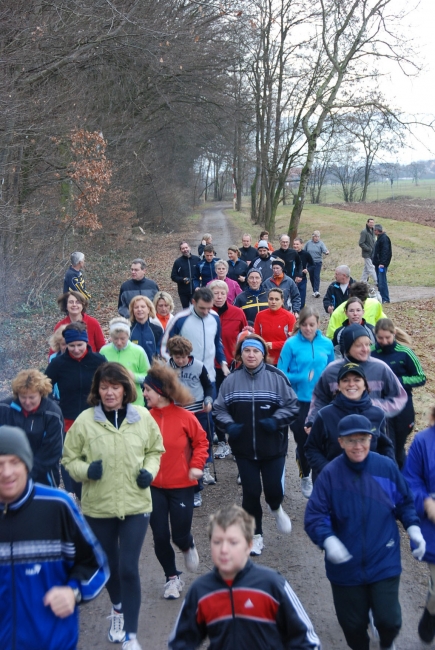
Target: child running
240	604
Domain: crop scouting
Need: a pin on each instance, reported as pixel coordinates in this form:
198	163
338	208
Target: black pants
176	506
252	473
185	299
301	438
122	541
352	605
399	429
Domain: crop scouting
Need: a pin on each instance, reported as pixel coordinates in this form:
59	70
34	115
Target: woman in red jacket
181	466
74	305
275	324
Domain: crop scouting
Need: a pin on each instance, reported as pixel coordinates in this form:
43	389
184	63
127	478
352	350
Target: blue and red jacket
258	611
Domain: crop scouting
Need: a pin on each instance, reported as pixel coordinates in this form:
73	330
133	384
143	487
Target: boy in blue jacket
240	604
352	515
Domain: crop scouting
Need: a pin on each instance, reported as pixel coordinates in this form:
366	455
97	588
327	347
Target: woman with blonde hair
182	465
58	344
128	354
144	331
406	366
164	306
41	419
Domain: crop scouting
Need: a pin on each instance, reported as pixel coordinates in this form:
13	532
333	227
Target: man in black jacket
248	253
293	265
338	291
306	261
137	285
182	273
381	259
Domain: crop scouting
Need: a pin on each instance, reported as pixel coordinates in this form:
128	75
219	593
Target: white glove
417	538
336	552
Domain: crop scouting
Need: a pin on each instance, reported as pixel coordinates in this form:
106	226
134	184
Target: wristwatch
77	595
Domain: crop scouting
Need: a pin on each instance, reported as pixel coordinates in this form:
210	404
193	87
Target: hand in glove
269	424
336	552
95	470
144	479
234	430
417	538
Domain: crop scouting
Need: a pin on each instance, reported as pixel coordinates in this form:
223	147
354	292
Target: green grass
382	190
413	261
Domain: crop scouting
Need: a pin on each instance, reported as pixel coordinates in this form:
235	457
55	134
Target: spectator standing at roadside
367	241
248	253
290	257
381	259
137	285
205	270
182	273
74	280
338	291
316	248
306	262
362	551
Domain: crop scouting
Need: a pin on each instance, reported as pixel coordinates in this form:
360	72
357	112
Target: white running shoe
131	644
173	588
282	520
207	477
116	632
257	545
306	486
239	480
223	450
197	500
372	630
191	559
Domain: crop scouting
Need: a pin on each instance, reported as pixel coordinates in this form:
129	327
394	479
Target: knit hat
254	271
13	442
350	334
278	261
355	368
354	424
263	244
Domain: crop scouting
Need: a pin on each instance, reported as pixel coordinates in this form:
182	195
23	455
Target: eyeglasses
354	442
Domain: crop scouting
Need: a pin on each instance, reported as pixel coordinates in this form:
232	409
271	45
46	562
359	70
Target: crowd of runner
117	434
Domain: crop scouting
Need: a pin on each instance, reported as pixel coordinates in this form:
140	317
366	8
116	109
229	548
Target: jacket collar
132	416
21	500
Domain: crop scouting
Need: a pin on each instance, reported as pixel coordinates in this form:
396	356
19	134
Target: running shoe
306	486
207	477
197	500
426	627
173	588
223	450
116	632
131	644
257	545
191	559
282	520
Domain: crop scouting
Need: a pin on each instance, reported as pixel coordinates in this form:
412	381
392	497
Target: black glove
95	470
269	424
144	479
234	430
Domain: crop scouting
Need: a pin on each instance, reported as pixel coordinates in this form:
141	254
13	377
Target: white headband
119	326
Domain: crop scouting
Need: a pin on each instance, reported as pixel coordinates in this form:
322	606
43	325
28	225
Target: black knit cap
13	442
350	334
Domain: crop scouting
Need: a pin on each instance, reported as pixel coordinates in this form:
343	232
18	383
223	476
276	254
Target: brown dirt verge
420	211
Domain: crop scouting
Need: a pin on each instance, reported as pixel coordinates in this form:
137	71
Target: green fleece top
372	313
133	358
137	444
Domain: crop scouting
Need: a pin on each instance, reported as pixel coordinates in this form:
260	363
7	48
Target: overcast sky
416	95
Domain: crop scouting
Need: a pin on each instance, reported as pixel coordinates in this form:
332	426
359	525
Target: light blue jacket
303	362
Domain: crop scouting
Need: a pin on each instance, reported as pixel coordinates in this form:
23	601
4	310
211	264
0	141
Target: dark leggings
252	473
399	429
122	541
301	438
176	506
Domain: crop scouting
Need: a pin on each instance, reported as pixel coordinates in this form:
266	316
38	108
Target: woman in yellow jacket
114	448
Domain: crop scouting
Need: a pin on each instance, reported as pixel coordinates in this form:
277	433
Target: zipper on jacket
234	616
363	521
254	437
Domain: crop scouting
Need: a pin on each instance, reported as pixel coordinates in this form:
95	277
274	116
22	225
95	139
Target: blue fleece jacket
303	362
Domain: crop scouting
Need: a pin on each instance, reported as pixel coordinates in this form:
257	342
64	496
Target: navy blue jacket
259	610
359	503
204	272
322	444
293	264
334	295
45	543
382	252
237	268
419	471
148	336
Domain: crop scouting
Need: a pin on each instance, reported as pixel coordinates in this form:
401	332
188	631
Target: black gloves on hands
234	430
144	479
95	470
269	424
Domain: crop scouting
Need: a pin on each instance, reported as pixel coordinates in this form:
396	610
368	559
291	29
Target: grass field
382	190
413	261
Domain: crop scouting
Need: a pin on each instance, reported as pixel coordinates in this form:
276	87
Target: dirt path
294	555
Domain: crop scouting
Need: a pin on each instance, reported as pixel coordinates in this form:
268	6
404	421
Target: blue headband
74	335
253	343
